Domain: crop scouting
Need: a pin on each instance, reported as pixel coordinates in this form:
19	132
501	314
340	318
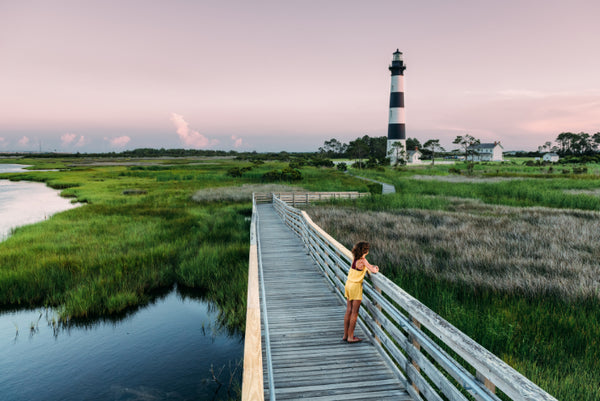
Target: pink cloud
119	141
23	141
82	141
189	136
66	139
237	142
3	142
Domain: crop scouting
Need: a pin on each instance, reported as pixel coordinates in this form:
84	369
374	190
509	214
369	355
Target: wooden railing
252	379
439	363
303	198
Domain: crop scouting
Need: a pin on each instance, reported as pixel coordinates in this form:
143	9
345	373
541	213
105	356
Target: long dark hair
359	249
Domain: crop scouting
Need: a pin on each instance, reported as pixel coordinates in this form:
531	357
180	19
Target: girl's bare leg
353	317
347	319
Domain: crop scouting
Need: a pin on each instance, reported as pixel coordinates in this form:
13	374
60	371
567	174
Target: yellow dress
353	289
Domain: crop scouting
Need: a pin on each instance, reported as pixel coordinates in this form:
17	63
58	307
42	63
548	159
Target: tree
433	145
358	149
467	142
596	141
333	147
397	153
412	144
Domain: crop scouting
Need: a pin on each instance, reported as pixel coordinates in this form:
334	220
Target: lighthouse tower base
396	150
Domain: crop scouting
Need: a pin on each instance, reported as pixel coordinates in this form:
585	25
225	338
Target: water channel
172	349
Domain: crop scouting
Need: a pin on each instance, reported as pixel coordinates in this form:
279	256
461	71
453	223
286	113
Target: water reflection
173	349
24	203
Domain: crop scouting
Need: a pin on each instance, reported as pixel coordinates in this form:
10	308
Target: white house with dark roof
485	152
550	157
413	156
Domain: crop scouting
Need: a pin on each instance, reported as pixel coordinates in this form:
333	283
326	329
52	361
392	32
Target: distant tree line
569	143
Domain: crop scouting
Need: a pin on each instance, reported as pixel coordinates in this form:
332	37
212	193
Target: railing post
377	322
418	347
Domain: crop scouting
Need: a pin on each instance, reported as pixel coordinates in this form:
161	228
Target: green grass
549	336
140	231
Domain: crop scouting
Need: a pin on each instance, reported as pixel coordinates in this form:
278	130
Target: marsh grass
241	193
530	251
523	282
115	253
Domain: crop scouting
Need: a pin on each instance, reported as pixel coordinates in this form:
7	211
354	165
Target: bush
454	170
273	175
321	162
296	164
342	166
290	174
287	174
234	172
375	188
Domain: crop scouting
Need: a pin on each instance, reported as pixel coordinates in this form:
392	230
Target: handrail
301	198
265	316
252	378
396	320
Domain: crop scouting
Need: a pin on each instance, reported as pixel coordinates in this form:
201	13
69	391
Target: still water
172	349
24	203
169	350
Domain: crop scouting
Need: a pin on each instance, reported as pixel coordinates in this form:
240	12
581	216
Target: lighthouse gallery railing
397	321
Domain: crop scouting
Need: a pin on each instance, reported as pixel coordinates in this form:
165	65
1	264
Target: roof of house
550	154
412	152
485	145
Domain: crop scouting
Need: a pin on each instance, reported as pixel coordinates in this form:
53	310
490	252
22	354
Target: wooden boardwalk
306	325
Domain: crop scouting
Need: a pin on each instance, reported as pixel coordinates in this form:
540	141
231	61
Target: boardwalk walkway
306	325
385	188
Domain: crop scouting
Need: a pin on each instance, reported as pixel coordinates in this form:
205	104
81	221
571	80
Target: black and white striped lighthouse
396	125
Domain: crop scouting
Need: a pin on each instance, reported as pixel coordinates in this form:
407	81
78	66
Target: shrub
273	175
342	166
375	188
296	164
234	172
290	174
321	162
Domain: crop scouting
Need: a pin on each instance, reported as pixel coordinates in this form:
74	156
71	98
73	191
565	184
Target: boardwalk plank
306	324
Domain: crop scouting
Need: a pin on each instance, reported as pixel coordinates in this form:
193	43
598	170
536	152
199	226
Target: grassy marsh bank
141	231
512	263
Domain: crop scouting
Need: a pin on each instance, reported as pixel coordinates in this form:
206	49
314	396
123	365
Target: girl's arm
370	267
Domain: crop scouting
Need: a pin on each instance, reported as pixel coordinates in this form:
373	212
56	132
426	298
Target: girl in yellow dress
354	288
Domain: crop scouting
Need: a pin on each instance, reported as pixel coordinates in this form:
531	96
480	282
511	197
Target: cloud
23	141
237	142
3	142
189	136
118	142
66	139
69	139
82	141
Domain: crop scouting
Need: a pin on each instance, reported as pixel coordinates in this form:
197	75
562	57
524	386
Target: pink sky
86	76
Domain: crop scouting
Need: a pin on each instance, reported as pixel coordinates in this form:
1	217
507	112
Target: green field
141	231
506	252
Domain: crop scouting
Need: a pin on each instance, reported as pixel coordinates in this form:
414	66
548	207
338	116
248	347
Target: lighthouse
396	125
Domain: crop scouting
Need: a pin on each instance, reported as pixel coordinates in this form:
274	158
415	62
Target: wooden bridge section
306	325
294	325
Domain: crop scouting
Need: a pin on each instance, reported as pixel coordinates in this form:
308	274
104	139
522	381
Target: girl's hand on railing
373	269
